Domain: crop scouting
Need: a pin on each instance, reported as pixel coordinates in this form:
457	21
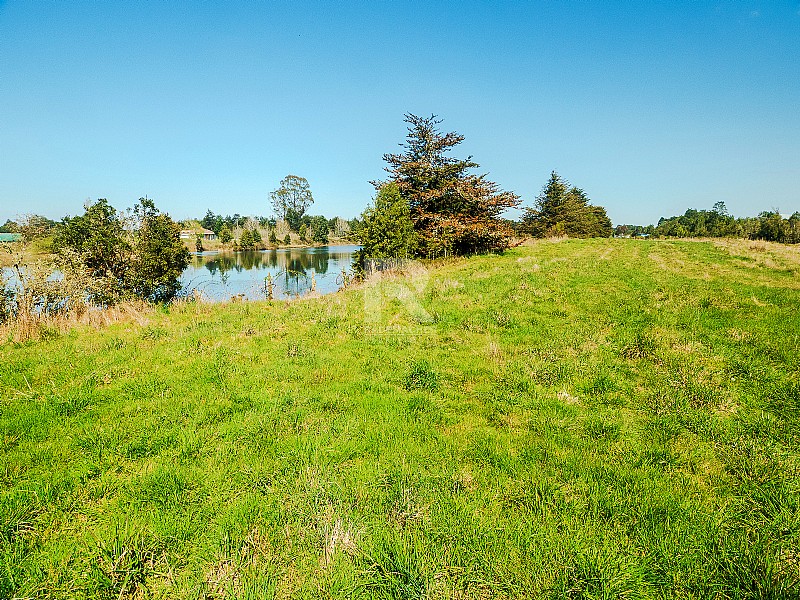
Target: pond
217	276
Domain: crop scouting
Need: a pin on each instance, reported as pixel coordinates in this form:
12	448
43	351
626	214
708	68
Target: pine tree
564	210
453	210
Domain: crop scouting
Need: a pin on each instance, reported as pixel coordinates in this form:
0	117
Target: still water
293	270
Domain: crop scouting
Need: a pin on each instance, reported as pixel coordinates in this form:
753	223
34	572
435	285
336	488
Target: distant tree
716	222
355	225
720	209
319	229
338	227
256	235
291	200
273	238
303	232
225	235
198	243
287	240
562	209
208	221
772	227
793	229
454	211
388	232
9	227
246	240
34	227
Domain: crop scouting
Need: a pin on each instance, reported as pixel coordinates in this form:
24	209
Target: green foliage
198	243
9	227
225	235
564	210
291	200
143	257
99	244
31	227
273	237
453	211
717	222
772	227
319	229
246	241
303	231
388	231
158	257
217	222
287	239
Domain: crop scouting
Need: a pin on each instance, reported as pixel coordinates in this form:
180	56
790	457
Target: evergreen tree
453	211
319	229
246	240
388	231
565	210
142	256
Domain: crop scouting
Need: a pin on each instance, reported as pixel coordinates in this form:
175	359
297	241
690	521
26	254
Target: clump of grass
641	345
421	376
122	565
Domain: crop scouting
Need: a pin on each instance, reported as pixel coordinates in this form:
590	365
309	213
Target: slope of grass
583	419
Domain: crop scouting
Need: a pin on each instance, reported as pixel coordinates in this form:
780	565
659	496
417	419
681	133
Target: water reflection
294	271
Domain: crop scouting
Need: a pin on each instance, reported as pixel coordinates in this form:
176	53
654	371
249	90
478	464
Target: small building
191	234
10	237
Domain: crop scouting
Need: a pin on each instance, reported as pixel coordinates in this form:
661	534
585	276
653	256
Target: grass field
582	419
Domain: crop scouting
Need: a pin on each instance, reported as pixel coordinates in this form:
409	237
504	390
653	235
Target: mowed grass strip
581	419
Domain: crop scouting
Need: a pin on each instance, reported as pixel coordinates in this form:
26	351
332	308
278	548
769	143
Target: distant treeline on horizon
770	226
716	222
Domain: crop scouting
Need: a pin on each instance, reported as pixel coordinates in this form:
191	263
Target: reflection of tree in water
290	268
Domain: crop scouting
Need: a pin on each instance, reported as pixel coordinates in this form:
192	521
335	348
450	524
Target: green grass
583	419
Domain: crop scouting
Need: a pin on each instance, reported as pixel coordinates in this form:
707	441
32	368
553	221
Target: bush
141	256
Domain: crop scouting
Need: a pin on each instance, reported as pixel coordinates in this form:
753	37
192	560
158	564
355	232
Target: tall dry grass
39	299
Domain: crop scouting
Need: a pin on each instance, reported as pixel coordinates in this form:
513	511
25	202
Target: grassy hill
583	419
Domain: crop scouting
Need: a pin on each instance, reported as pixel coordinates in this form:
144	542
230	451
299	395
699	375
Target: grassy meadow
574	419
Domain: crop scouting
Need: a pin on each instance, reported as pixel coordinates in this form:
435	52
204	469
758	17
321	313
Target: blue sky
650	107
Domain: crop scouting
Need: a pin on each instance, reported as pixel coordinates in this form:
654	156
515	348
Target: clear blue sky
651	107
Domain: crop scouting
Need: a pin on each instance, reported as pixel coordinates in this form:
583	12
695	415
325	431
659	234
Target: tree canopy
141	255
291	200
562	209
453	210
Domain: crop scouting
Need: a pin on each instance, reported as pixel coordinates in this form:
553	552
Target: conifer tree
453	210
562	209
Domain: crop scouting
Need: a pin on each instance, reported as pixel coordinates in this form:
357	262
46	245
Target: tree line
290	203
769	226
